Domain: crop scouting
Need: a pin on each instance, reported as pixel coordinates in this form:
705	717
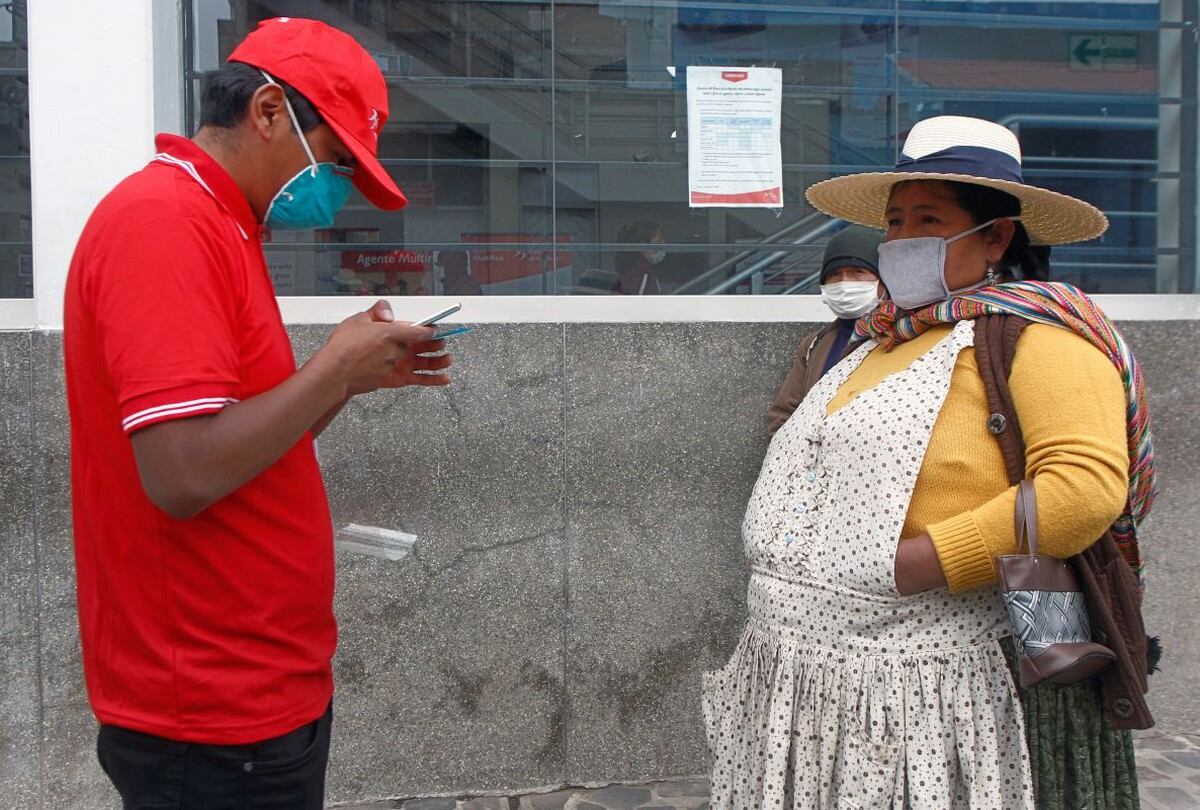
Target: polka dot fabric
842	694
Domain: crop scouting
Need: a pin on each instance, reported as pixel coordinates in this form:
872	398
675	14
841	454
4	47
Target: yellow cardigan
1071	405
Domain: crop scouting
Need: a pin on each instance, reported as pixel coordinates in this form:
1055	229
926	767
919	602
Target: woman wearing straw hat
872	672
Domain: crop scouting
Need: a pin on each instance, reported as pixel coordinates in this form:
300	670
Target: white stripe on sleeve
176	409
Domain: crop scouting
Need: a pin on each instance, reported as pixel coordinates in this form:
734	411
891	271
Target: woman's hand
917	567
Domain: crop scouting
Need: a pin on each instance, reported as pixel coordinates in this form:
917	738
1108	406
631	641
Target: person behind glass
875	669
635	268
456	270
850	287
203	538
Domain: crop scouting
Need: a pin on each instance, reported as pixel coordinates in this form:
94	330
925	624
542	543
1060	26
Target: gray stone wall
577	494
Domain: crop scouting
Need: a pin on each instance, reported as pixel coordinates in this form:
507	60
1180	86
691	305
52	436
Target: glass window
16	238
1098	112
543	145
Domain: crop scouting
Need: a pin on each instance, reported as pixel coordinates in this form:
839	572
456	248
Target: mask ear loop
312	160
980	227
992	277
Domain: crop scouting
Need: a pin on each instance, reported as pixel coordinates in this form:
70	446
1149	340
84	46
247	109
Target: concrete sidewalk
1168	770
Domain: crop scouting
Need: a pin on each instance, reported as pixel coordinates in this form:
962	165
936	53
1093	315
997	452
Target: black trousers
282	773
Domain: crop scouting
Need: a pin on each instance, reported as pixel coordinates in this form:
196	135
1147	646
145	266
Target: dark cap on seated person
854	246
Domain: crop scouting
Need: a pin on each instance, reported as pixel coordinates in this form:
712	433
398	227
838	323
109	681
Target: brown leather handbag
1046	607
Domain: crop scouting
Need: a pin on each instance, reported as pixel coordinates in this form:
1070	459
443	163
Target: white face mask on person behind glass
914	269
851	299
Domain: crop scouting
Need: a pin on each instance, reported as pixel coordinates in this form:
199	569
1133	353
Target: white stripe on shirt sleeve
176	409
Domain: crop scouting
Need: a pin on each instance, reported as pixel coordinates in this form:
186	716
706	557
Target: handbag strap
996	339
1026	518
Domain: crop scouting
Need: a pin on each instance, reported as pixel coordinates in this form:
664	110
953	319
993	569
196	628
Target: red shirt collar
188	157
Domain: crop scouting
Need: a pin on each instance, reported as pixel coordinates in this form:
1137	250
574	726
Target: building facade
576	495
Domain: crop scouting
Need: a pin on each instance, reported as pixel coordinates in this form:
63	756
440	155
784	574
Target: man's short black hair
225	100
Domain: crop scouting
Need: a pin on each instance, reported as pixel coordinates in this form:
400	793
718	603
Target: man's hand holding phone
373	350
416	360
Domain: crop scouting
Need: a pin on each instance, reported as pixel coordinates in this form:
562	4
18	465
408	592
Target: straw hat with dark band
965	150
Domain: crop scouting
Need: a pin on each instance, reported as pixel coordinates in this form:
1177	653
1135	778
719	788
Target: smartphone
439	315
452	331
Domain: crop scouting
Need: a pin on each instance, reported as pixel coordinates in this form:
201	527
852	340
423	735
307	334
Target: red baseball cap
330	69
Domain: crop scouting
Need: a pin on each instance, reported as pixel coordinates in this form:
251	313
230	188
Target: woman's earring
991	277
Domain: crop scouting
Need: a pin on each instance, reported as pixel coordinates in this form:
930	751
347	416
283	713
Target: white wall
92	119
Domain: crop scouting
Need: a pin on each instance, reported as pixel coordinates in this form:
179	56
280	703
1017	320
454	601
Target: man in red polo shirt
203	538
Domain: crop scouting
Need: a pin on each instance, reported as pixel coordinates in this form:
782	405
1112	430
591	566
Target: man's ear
268	112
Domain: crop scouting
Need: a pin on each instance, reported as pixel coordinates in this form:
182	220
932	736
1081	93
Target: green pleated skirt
1080	762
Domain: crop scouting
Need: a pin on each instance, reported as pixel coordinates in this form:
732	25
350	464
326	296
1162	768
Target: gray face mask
914	270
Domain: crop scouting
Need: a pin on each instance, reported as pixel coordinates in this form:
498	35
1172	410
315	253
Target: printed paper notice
734	159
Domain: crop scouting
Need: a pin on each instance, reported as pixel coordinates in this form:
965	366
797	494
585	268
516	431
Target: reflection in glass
16	262
535	139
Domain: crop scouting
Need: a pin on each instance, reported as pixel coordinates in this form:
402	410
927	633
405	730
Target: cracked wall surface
577	496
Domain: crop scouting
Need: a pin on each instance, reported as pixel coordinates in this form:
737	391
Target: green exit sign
1103	51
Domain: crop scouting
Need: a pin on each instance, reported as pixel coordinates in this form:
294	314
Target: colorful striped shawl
1061	305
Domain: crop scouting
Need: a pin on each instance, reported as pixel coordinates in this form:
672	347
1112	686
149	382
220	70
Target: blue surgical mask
314	196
